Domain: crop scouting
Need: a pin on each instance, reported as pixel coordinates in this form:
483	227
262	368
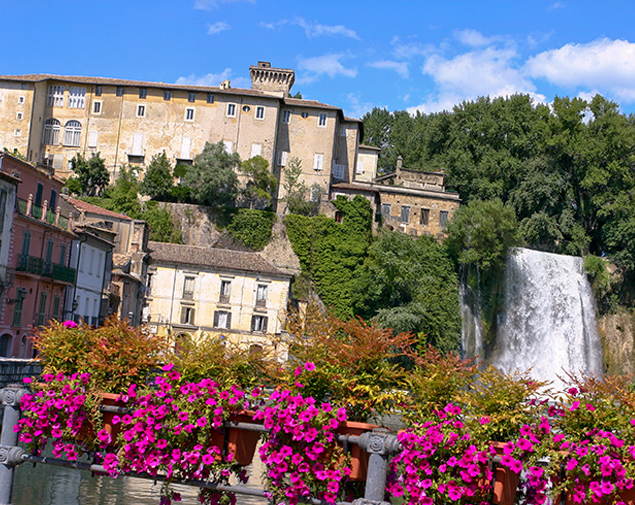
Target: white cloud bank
401	67
216	28
327	65
214	80
314	29
212	4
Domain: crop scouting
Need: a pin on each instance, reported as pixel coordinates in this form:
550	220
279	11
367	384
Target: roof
28	164
384	188
371	148
94	209
354	187
107	81
225	259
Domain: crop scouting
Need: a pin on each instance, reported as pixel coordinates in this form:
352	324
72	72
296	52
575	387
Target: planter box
359	457
505	481
240	444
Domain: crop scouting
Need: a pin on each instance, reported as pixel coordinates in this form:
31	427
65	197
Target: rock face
197	224
617	332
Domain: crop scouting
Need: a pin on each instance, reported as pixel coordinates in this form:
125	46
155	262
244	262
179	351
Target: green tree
296	191
212	179
158	180
252	227
409	284
162	228
481	234
92	174
260	190
180	192
122	195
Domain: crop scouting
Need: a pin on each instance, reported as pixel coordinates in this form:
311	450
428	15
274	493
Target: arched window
51	134
5	345
72	133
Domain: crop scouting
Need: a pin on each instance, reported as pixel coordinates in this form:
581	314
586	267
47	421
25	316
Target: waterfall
548	320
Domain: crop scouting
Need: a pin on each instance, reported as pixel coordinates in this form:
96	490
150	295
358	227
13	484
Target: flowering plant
177	429
61	409
299	451
440	463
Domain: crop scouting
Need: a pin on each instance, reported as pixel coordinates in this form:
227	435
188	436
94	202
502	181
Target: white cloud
314	29
356	107
401	67
215	28
214	80
212	4
489	71
318	66
604	64
472	38
408	50
557	5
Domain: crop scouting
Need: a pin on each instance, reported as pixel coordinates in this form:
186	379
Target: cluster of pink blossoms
300	453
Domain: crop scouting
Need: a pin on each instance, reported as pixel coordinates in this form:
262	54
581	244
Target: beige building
409	201
195	291
51	118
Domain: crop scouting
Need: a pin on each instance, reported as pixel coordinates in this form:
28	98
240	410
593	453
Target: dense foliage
251	227
566	171
330	253
91	175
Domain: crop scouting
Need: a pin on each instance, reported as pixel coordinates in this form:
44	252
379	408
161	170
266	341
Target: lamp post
74	307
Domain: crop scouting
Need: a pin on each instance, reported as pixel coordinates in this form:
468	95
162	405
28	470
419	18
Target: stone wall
617	332
13	370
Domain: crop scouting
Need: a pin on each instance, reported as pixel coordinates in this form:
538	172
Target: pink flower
70	324
309	366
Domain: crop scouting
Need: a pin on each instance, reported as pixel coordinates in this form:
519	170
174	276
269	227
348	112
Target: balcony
37	266
27	208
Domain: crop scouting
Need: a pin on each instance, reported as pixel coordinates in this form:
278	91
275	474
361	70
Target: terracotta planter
112	400
241	444
505	481
359	457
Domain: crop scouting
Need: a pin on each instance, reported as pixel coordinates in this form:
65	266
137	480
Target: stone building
196	291
51	118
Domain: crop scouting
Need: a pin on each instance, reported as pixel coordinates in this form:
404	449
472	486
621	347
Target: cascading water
548	320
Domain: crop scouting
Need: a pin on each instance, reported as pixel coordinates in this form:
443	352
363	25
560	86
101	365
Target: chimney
399	166
274	81
225	84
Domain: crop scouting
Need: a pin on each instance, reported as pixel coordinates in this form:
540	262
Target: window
305	115
97	107
318	162
261	294
119	91
76	97
360	167
137	145
141	111
259	323
282	158
191	97
21	99
48	262
246	108
322	120
210	97
316	194
188	288
26	246
443	218
143	92
17	132
18	116
39	191
53	200
167	94
51	132
93	137
286	116
256	150
189	114
338	171
225	291
63	254
405	214
56	308
229	146
20	294
385	209
222	319
55	96
231	110
260	112
72	133
98	90
41	315
187	315
425	216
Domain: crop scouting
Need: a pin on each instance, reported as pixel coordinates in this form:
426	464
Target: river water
50	485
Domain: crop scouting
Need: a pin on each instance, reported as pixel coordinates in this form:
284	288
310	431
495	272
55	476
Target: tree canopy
92	176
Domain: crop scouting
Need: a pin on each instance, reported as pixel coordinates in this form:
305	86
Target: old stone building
51	118
196	291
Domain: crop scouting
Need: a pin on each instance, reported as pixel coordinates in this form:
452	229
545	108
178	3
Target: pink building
38	272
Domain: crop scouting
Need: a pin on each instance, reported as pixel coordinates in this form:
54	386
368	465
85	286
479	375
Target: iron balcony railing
38	266
36	212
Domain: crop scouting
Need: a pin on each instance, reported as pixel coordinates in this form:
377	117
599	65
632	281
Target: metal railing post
9	452
380	444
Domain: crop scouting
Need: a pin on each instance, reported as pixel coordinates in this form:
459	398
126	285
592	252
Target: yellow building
195	291
50	118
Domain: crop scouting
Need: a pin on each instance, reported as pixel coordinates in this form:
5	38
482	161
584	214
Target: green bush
252	227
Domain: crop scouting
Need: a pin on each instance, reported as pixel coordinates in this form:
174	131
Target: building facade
196	291
50	118
38	257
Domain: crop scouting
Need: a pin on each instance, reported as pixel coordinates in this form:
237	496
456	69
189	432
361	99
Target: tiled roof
208	257
93	209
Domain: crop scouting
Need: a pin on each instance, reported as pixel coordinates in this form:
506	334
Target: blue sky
399	54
